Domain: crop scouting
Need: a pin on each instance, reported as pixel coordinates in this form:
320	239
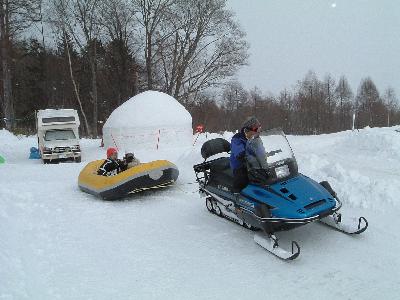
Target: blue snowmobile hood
297	197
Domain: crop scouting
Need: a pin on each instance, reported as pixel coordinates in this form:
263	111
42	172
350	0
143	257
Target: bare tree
329	86
206	112
151	14
255	99
367	98
117	19
391	102
76	91
286	103
86	15
81	21
201	45
61	18
234	102
310	99
345	96
15	17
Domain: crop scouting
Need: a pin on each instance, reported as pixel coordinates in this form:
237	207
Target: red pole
114	141
196	138
158	138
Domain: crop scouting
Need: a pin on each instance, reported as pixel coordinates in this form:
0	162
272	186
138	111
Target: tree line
312	106
102	52
92	55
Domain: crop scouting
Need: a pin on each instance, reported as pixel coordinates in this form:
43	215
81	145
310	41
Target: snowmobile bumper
273	224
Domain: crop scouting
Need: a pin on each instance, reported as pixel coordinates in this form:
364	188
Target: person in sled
250	128
130	160
112	165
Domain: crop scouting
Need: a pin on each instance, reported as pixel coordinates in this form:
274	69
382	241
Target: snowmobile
277	198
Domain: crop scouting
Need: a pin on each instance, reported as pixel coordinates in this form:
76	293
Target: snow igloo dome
151	120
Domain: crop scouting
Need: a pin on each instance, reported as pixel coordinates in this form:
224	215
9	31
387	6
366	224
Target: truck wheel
78	159
46	161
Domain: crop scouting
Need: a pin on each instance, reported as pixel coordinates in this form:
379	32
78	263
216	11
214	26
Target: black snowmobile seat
215	146
220	165
221	173
219	170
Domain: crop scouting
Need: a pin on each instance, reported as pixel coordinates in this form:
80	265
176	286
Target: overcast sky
356	38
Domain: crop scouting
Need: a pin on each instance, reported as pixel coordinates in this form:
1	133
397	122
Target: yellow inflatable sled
151	175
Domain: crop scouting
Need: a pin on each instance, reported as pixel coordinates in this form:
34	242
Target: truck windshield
57	135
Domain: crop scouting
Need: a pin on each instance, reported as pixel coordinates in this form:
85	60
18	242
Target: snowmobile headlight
282	171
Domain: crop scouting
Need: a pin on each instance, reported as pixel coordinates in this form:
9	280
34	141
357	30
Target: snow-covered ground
57	242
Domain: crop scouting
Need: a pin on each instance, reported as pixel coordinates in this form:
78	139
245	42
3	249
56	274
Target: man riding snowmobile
256	161
238	152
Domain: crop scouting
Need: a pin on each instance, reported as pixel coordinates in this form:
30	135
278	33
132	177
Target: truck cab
58	135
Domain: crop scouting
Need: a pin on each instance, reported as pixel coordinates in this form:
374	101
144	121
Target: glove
241	156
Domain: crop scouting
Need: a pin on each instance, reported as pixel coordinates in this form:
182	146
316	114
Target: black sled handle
295	252
360	220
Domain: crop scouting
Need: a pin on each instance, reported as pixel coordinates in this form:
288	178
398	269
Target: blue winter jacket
238	150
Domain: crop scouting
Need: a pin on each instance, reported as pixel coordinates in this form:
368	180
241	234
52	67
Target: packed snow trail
57	242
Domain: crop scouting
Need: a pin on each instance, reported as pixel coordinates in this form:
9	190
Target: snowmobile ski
270	243
335	221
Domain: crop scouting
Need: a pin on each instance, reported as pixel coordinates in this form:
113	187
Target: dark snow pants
240	179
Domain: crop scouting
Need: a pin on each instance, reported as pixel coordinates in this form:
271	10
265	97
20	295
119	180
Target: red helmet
111	151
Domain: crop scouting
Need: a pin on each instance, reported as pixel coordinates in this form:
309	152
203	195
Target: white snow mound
146	120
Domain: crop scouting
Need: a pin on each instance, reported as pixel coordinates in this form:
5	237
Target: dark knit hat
129	154
129	157
251	124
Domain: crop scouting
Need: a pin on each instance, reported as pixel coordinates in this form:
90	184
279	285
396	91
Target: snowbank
16	149
59	243
362	166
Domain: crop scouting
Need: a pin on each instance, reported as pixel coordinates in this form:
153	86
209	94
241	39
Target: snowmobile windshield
269	158
276	146
256	155
59	135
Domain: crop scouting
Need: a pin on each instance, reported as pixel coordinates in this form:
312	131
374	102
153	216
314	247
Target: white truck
58	135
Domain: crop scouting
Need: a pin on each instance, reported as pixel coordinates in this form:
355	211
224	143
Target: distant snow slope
57	242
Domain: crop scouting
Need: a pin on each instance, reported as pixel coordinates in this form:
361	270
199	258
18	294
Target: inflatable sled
151	175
